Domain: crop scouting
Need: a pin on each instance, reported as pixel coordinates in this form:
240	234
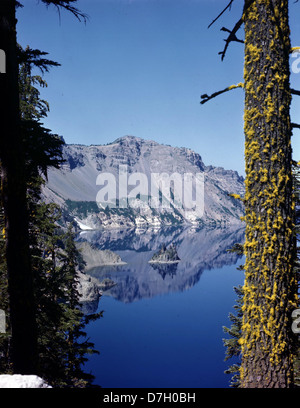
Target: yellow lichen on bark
270	289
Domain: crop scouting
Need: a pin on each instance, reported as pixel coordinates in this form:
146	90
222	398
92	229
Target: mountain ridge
76	182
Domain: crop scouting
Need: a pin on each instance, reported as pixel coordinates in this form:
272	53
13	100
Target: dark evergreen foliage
61	341
233	348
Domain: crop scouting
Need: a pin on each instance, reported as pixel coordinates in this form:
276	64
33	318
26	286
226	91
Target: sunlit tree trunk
20	282
270	290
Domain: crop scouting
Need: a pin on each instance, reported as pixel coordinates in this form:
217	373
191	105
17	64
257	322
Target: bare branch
293	49
232	34
295	126
295	92
231	37
205	98
222	12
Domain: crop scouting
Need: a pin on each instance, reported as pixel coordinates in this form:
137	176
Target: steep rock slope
81	181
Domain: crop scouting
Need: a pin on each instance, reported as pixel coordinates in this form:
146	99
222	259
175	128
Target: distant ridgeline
139	183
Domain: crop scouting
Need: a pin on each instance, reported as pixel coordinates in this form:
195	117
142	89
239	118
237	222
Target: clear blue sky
138	67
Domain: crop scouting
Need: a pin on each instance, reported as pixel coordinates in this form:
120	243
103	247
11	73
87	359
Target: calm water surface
162	325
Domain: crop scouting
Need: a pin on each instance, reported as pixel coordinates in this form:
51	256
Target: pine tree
13	184
61	343
61	338
13	190
270	289
233	348
32	107
55	260
76	321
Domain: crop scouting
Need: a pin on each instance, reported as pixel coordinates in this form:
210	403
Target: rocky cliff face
81	182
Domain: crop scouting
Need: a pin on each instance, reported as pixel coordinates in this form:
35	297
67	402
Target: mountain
134	182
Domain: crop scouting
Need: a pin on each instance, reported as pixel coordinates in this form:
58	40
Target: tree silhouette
13	190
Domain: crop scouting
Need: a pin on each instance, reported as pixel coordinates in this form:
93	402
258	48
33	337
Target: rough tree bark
270	289
20	280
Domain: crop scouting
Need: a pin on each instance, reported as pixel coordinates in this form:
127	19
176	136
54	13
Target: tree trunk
20	280
270	290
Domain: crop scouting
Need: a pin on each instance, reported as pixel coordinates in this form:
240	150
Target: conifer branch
35	57
205	98
66	4
237	248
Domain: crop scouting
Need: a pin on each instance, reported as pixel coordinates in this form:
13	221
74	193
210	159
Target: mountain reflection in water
198	248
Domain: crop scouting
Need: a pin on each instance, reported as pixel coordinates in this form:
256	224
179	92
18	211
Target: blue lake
163	325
